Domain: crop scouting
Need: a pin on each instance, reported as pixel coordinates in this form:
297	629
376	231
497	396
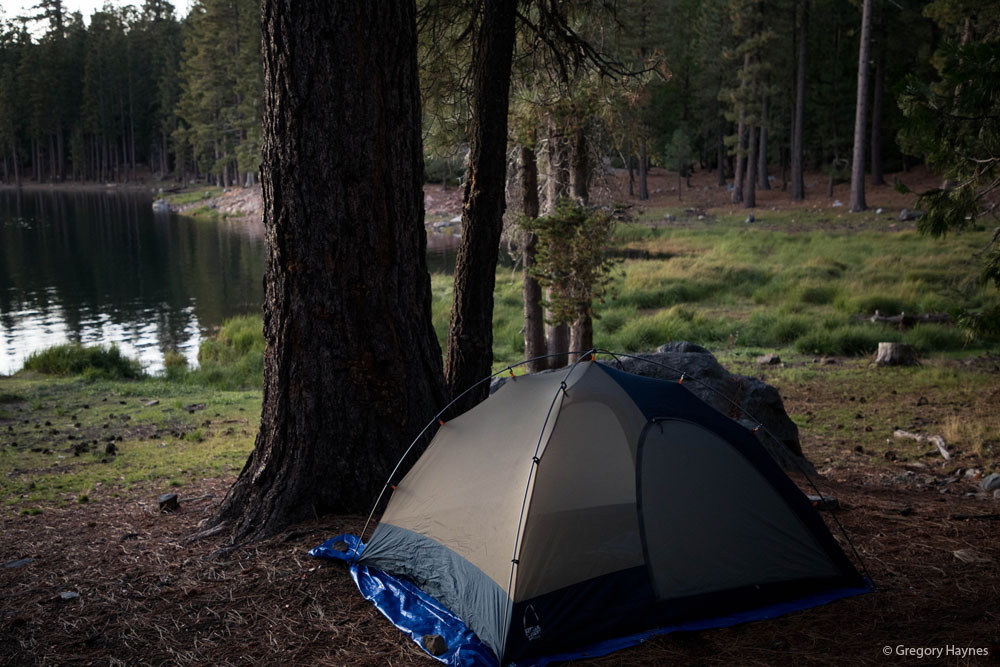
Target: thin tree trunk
798	183
352	368
531	292
556	179
722	155
470	332
762	182
858	161
581	336
581	165
557	338
643	182
740	131
750	182
17	167
878	178
628	163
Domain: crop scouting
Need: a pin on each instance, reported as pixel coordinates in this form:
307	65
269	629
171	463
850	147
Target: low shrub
92	362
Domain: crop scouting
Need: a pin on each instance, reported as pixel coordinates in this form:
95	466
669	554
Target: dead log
920	437
906	320
896	354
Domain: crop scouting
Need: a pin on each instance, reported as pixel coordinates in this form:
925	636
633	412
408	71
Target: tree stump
896	354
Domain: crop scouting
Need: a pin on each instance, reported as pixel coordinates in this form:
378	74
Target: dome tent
592	504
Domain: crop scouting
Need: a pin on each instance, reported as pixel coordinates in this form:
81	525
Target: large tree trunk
643	181
531	292
470	332
352	368
798	184
750	182
878	178
762	181
860	113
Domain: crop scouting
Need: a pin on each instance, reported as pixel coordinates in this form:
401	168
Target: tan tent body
576	505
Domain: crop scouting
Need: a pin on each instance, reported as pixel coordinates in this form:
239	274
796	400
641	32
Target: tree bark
860	114
878	178
798	184
556	178
581	336
721	150
740	130
531	292
762	182
628	164
750	182
352	368
581	165
557	339
470	332
643	181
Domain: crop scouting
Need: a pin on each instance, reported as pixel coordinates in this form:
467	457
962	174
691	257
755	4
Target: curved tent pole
615	355
760	425
524	500
435	418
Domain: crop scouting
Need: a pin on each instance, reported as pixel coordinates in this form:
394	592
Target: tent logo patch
532	626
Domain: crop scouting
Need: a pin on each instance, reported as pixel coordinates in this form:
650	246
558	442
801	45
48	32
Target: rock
68	595
80	448
669	217
745	399
922	401
972	473
769	360
837	203
161	206
878	211
149	404
907	214
169	503
896	354
434	644
750	218
996	495
110	449
991	482
824	503
681	347
20	562
194	406
829	361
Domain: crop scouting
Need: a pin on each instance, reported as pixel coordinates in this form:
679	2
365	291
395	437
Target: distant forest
138	92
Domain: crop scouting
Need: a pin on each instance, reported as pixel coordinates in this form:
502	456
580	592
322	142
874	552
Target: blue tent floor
418	614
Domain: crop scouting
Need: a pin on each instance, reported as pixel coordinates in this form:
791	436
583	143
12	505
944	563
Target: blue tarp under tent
578	512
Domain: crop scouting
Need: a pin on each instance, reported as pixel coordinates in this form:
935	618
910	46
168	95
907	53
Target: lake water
100	267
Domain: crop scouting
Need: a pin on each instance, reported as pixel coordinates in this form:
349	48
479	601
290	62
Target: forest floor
139	591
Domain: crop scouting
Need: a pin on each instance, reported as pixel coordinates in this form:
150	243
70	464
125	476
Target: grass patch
91	362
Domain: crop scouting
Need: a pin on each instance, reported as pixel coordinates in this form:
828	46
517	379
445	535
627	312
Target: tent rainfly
573	513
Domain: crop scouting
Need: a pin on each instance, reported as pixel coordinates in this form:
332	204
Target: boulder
768	360
745	399
991	482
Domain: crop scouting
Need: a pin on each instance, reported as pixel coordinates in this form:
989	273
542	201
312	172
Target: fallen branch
206	533
920	437
904	320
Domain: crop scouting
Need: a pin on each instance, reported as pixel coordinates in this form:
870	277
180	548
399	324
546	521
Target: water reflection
100	267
